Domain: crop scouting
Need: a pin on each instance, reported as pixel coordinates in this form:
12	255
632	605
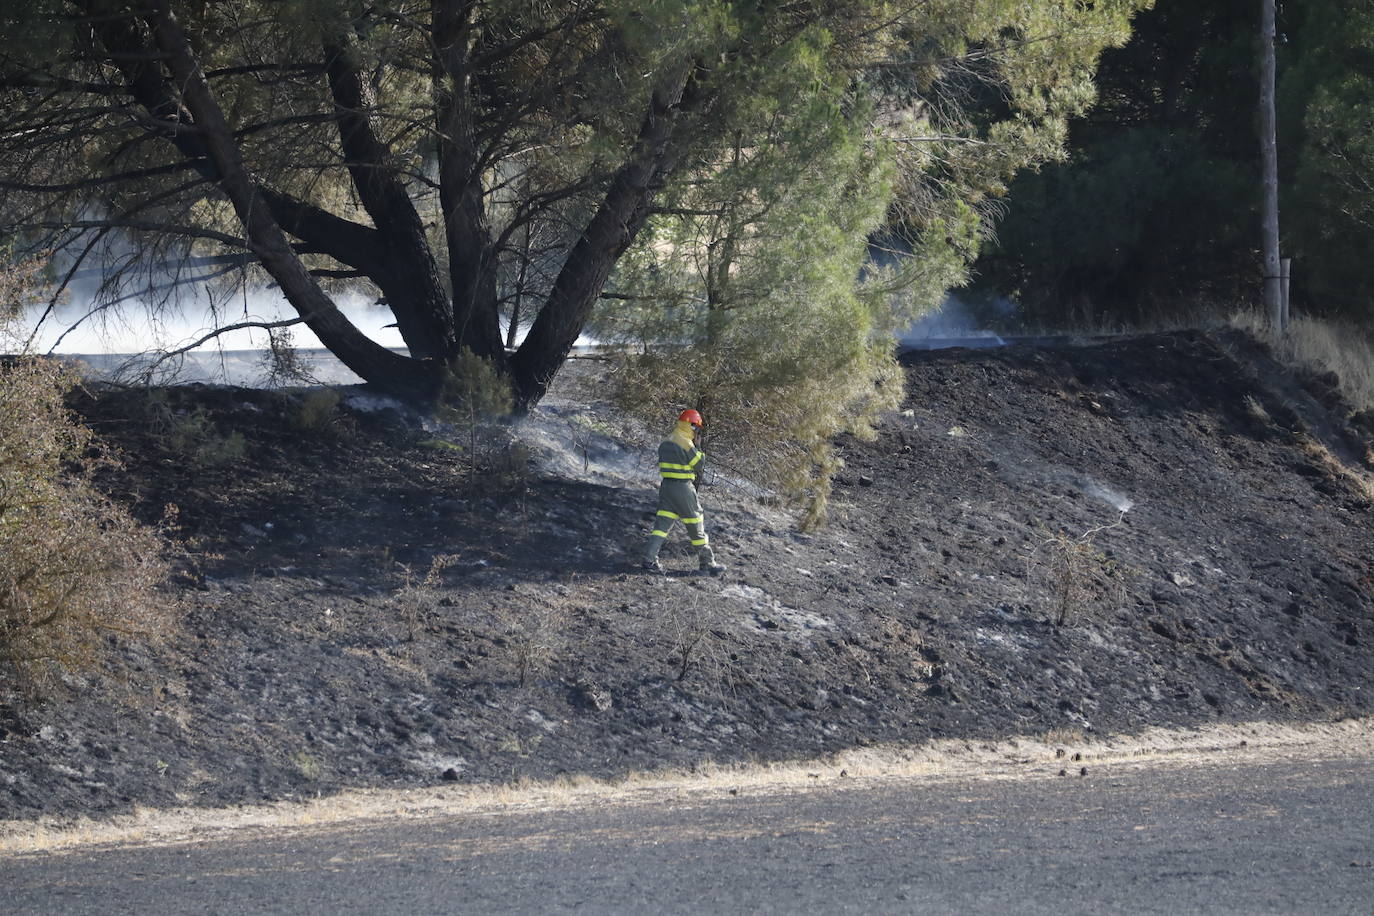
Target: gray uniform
677	501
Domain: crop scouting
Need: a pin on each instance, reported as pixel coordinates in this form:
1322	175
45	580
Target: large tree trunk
396	253
211	149
410	279
471	254
370	360
610	232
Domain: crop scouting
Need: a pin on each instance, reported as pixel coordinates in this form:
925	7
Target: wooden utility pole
1269	144
1286	272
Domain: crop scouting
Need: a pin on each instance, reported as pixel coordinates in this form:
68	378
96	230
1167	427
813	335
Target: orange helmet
691	416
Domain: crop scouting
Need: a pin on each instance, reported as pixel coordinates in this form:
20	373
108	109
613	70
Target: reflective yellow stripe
691	521
675	466
671	470
658	534
666	514
699	543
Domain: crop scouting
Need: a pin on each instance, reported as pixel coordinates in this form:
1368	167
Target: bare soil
1053	540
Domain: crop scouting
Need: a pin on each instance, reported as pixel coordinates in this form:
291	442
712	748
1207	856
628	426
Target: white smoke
119	299
952	324
144	324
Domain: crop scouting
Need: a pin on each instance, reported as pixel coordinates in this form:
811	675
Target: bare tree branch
190	232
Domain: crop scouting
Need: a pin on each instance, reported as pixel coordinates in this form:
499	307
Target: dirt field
1058	542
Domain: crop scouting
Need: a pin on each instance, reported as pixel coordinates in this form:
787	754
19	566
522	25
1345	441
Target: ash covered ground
1166	530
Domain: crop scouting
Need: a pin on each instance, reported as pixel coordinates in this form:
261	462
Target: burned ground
1161	530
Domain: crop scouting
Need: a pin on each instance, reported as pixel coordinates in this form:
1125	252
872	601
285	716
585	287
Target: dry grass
1322	346
1065	735
1092	327
948	761
1335	468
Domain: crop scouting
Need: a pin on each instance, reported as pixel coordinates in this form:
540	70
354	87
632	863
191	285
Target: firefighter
680	466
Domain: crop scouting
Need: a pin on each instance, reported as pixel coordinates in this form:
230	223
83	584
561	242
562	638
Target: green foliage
752	294
473	390
457	158
474	395
1154	218
751	283
1328	102
993	86
1156	207
192	434
1141	228
316	411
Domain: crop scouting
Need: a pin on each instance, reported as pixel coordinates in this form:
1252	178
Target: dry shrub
534	644
1322	346
584	431
74	566
1257	411
418	594
1078	574
282	364
694	624
535	633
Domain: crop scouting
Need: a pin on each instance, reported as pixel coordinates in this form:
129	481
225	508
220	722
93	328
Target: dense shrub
74	566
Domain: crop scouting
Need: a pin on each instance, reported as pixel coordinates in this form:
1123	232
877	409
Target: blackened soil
1161	530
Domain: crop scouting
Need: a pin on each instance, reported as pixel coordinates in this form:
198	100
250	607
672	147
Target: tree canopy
1328	100
1154	214
490	168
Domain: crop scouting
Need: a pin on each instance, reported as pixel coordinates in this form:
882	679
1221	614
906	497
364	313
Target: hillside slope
1101	538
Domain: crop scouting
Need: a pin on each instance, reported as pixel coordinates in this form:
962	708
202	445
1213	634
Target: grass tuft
1322	346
